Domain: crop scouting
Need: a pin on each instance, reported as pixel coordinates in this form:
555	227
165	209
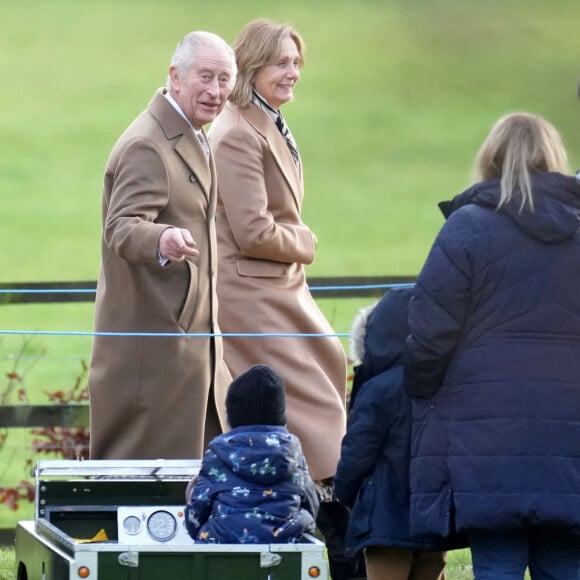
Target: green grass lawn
394	101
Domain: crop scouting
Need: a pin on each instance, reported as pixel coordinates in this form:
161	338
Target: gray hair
186	52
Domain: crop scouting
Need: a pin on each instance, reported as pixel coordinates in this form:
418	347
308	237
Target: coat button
192	178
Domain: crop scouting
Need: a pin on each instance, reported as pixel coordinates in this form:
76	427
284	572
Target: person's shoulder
283	438
142	139
256	431
231	126
470	221
385	385
230	117
144	128
472	211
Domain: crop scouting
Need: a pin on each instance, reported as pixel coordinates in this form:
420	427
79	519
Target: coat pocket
261	268
360	519
187	312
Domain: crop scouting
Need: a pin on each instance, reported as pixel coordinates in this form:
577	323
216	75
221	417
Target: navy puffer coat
494	352
253	488
373	472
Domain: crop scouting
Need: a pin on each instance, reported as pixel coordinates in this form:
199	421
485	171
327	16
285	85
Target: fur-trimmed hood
379	331
378	336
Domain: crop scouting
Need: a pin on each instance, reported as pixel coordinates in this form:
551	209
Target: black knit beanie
256	397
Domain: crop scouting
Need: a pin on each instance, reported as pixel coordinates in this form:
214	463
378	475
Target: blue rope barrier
362	287
93	290
47	291
177	334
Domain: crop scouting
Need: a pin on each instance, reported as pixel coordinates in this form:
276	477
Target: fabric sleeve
240	158
139	194
199	507
438	308
309	500
365	437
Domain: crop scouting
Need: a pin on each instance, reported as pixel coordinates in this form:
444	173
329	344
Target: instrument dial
162	526
132	525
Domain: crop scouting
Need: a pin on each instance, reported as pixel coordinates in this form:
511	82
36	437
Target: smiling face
275	82
203	90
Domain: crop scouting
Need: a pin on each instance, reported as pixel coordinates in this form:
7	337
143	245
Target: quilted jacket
253	488
373	472
493	360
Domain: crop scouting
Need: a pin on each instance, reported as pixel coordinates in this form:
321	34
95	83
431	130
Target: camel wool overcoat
263	246
150	396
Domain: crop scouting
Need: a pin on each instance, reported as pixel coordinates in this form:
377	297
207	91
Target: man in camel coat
162	396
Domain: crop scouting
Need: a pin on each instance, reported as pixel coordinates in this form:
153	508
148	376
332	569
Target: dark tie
281	124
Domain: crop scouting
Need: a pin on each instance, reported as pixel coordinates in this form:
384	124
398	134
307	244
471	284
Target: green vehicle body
94	519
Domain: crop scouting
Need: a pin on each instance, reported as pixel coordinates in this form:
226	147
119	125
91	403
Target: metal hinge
268	559
130	559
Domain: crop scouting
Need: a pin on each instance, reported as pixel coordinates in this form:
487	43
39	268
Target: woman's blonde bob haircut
258	45
518	145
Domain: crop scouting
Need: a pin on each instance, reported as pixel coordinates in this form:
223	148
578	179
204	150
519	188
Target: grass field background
394	101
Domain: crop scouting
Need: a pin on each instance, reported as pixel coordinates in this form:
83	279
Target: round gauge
161	526
132	525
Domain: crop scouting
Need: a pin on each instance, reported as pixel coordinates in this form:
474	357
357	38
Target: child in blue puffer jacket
373	472
254	486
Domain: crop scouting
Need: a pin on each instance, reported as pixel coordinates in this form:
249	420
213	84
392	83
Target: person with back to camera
493	360
373	471
264	245
253	486
158	271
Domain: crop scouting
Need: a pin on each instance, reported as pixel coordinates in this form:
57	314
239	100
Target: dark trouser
332	522
549	554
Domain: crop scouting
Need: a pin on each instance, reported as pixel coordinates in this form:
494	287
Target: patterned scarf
278	119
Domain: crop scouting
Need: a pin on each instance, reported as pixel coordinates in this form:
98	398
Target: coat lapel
191	151
186	145
292	173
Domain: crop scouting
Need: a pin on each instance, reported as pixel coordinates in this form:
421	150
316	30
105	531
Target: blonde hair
518	145
258	45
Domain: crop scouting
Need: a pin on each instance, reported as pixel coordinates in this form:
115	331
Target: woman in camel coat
263	246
